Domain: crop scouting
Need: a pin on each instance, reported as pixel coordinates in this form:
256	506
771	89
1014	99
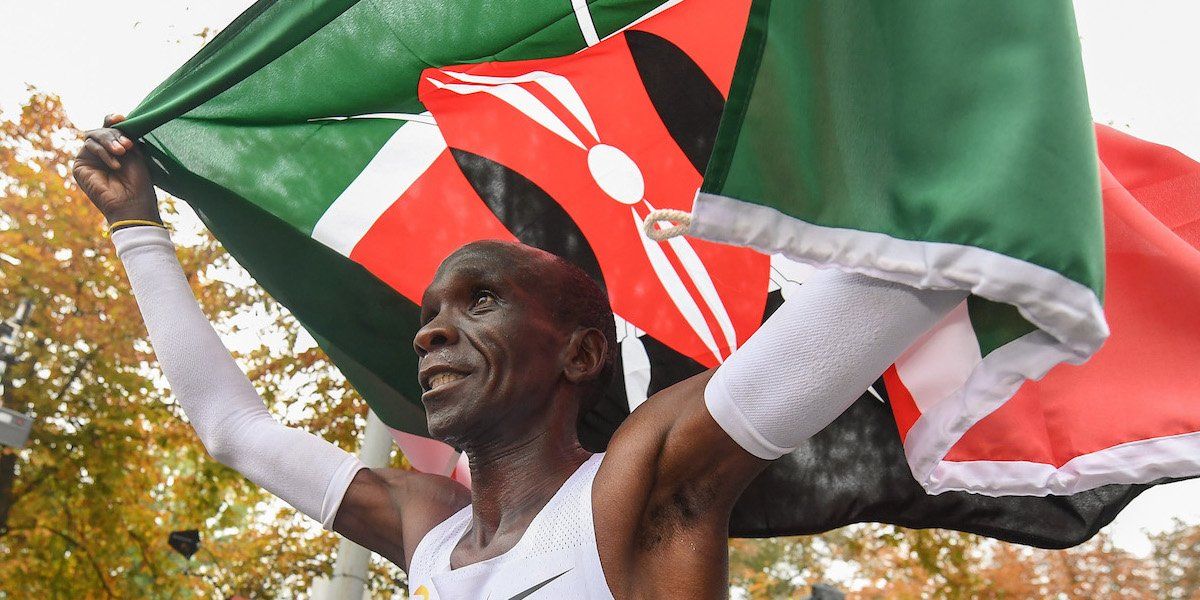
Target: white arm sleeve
229	416
816	355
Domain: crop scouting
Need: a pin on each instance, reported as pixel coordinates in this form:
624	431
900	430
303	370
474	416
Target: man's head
511	336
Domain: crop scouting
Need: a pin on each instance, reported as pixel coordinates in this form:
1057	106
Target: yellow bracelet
131	223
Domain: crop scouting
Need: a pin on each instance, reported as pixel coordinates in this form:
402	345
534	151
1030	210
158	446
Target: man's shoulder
420	501
670	456
441	493
648	427
661	502
634	455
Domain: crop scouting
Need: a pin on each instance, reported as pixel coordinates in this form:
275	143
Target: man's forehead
493	261
492	257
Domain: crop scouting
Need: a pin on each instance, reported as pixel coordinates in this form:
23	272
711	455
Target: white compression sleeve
816	355
229	416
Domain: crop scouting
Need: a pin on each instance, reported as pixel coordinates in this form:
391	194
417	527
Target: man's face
490	350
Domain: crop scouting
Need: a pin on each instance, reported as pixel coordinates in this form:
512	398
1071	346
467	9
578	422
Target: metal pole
350	570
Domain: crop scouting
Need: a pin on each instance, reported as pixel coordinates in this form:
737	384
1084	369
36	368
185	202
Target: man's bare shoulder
442	493
671	446
390	510
652	422
637	465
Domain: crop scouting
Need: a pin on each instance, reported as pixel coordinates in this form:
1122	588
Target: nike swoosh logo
526	593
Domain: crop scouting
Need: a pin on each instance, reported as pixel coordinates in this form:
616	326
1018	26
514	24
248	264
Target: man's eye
483	300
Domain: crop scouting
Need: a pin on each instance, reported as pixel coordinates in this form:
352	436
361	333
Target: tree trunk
8	471
8	466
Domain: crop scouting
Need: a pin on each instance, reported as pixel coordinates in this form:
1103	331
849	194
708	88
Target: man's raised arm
809	362
314	476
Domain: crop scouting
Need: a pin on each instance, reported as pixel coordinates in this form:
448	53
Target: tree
884	561
779	567
1176	559
112	466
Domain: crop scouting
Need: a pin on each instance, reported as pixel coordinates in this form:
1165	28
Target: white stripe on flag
704	284
1139	461
424	117
522	100
560	87
675	289
402	160
584	16
635	360
940	361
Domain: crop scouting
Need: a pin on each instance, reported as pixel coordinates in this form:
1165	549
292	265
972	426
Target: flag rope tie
681	218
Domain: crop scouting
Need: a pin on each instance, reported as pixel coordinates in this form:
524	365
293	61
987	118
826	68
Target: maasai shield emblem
591	143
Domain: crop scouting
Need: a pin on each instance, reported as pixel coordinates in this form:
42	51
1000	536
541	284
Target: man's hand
110	169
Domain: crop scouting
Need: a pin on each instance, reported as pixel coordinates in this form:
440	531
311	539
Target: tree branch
141	544
76	373
88	555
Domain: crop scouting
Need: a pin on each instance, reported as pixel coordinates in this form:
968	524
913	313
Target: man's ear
585	355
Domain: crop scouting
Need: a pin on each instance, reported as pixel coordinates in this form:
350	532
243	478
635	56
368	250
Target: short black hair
580	302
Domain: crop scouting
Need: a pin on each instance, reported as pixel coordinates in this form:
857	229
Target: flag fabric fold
950	146
341	149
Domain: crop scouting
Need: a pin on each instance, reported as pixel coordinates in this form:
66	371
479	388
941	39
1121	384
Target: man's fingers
113	119
99	151
110	139
106	144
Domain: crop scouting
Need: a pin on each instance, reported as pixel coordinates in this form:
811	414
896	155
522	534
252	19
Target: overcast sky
101	57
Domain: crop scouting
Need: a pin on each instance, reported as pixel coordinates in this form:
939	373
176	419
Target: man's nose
436	334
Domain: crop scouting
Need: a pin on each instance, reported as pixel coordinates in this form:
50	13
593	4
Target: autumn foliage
112	466
881	561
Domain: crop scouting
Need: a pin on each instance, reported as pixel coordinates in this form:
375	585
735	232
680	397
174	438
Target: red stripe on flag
904	408
1164	180
436	215
1143	382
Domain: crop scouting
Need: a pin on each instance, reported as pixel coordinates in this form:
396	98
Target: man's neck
511	482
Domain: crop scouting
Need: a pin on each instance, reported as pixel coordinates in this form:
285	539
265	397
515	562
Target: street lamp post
350	570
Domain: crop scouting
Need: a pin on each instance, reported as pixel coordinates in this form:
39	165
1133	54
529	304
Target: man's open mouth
443	378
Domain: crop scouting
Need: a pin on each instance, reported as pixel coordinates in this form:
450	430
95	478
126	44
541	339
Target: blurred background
110	468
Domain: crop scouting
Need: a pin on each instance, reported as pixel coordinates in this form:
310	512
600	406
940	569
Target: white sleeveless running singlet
555	558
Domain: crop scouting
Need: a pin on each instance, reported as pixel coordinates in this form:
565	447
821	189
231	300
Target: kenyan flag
341	148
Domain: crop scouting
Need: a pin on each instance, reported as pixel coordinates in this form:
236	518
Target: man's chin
445	426
449	413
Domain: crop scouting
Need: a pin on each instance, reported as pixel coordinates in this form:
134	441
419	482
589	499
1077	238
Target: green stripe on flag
913	119
293	171
260	35
995	323
350	312
933	122
936	143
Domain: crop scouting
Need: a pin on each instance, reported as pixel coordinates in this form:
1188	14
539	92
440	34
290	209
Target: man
514	344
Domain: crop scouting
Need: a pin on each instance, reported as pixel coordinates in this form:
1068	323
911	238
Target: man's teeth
442	379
